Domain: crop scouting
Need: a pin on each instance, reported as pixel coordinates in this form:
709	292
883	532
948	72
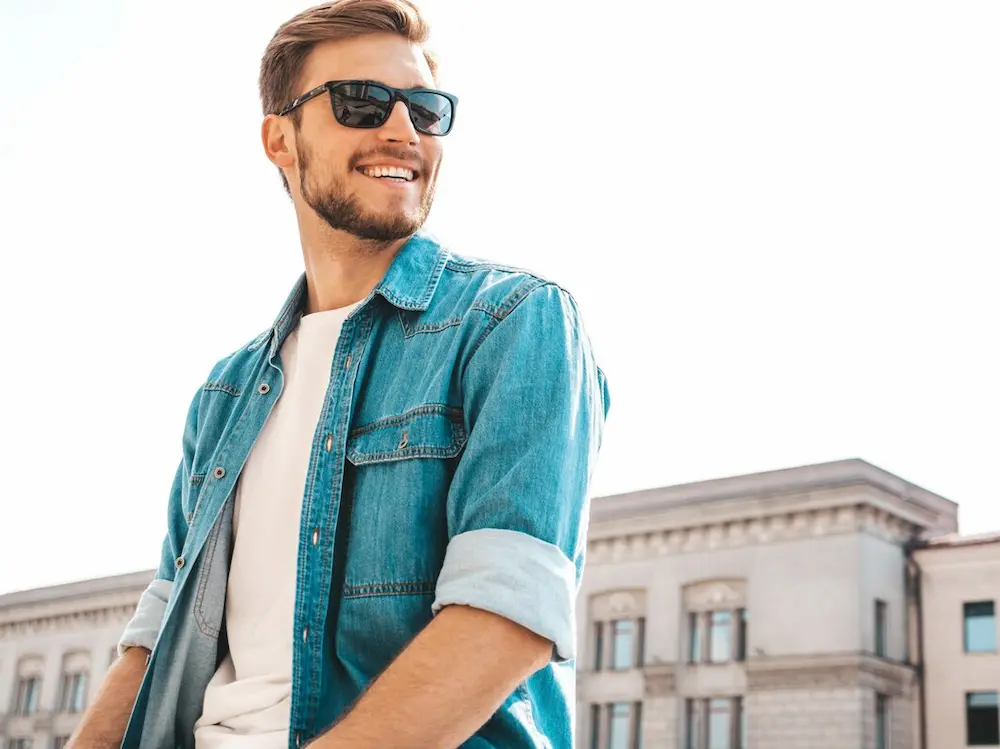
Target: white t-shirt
248	701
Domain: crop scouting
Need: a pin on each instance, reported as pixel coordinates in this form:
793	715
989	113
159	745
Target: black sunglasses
368	104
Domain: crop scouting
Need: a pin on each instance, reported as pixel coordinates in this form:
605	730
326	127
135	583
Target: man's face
332	159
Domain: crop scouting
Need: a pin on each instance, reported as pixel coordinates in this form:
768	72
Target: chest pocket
425	432
401	468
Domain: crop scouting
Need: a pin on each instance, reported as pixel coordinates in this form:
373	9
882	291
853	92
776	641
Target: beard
342	211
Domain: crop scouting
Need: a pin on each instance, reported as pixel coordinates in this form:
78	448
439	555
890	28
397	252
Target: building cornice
907	499
624	542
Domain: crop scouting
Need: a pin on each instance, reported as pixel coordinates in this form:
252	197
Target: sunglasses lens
431	113
360	104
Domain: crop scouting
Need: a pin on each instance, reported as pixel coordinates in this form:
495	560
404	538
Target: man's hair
286	54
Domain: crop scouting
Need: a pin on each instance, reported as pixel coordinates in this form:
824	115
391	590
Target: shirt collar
409	283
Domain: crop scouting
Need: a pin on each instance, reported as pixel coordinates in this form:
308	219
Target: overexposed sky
781	221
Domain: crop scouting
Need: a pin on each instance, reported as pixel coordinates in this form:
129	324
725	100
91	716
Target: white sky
779	218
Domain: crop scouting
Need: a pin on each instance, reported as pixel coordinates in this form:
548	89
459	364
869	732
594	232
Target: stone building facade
959	582
770	611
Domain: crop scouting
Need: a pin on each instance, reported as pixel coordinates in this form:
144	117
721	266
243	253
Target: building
775	610
959	586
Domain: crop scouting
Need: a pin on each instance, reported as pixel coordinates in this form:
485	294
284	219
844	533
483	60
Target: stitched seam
203	625
407	454
506	308
197	479
452	412
410	331
223	387
370	590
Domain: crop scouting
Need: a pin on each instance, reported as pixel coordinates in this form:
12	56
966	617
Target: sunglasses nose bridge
400	119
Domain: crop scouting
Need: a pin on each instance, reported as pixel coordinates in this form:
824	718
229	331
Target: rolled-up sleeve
143	628
535	404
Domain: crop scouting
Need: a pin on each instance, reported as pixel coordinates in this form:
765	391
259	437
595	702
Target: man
377	529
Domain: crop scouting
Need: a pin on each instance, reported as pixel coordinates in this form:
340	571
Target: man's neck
342	269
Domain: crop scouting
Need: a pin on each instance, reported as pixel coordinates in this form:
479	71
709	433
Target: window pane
982	719
720	725
79	700
694	638
637	725
742	743
693	724
881	722
595	726
622	647
640	655
598	645
880	628
618	726
980	627
720	640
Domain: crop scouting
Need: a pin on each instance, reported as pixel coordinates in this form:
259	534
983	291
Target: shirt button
298	738
305	635
264	388
180	562
219	472
315	536
329	442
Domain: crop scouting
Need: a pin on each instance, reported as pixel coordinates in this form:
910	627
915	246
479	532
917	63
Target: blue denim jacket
450	465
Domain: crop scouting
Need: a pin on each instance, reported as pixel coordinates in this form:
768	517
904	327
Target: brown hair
289	48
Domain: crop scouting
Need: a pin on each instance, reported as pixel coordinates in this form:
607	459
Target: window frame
995	740
965	625
881	628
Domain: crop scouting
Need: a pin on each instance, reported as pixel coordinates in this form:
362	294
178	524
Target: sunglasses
368	104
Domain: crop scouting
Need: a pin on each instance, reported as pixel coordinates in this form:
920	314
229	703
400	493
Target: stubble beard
342	211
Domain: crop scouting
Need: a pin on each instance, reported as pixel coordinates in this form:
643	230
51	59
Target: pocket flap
426	432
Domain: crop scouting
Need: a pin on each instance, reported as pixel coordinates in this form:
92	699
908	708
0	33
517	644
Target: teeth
388	171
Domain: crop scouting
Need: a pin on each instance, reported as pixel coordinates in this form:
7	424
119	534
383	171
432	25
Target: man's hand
103	725
444	686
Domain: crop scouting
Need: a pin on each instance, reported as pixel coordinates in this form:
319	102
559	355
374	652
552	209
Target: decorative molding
830	672
660	679
618	604
806	523
69	622
714	594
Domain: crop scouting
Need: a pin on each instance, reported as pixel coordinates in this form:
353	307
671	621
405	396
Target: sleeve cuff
514	575
144	627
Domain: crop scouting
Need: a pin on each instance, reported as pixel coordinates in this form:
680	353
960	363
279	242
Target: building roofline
953	540
80	589
782	482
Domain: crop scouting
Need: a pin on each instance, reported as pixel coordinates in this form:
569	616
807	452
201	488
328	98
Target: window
716	723
720	636
598	645
694	638
982	719
741	638
881	721
73	693
880	628
27	695
622	644
717	636
595	727
640	647
623	728
60	742
980	627
19	744
619	725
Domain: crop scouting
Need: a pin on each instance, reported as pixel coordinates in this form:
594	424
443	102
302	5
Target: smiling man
377	528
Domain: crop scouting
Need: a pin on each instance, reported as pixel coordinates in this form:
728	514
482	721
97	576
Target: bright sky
779	218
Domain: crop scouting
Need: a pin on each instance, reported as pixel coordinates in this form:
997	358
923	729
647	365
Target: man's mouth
389	173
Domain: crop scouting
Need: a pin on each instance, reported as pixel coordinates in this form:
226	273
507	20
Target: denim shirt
450	464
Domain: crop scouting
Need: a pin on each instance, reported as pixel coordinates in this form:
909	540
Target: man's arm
534	403
444	686
103	725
